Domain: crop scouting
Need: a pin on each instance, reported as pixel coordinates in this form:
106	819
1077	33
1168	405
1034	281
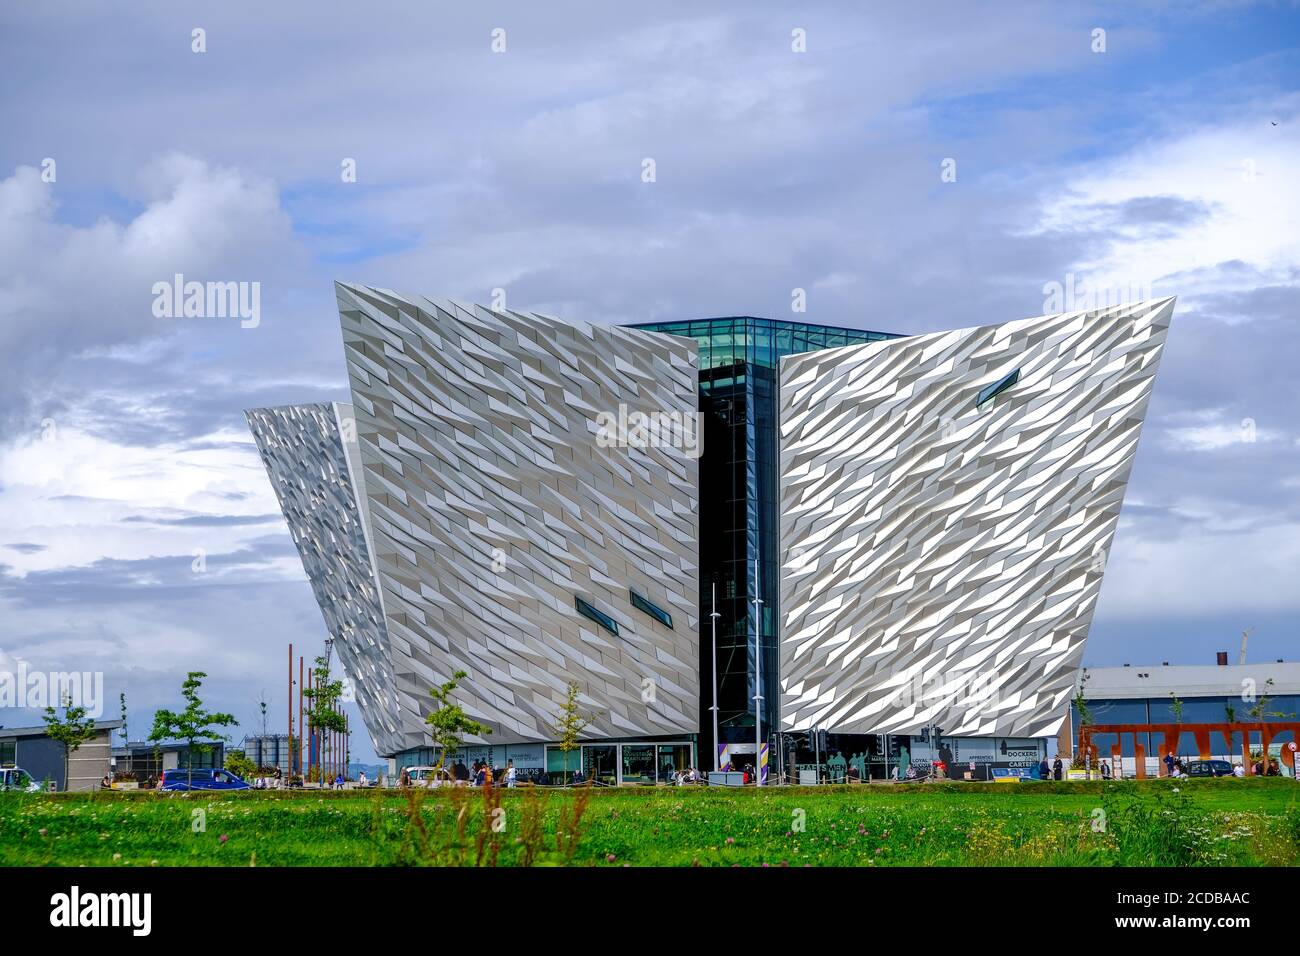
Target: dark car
1208	768
181	779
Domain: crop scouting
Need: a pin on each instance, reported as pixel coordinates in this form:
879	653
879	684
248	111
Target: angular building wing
513	540
947	503
310	456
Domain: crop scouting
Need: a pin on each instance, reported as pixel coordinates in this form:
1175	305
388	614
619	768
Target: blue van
182	779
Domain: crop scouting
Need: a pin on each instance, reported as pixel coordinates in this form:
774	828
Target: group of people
1051	771
1174	766
689	775
478	774
268	781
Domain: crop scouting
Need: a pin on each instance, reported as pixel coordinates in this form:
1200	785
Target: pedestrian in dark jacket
1056	769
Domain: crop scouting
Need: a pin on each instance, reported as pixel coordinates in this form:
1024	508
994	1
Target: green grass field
1211	822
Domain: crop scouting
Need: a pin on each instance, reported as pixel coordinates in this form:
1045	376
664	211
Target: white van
428	776
16	778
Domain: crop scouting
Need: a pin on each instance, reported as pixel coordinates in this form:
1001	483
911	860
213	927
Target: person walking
1044	769
1056	768
510	774
1169	765
1105	770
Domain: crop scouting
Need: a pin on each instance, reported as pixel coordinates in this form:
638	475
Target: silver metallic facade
492	503
941	561
309	452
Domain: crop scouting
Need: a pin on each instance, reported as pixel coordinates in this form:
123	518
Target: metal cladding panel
306	458
941	561
492	505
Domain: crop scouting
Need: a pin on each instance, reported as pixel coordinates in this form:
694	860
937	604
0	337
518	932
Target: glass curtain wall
739	496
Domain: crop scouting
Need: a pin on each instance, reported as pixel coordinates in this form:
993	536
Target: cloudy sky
1167	162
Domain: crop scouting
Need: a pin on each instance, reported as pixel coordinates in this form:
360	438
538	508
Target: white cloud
1217	436
66	289
1241	176
1201	572
71	494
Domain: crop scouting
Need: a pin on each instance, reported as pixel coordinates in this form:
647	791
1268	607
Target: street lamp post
714	622
758	681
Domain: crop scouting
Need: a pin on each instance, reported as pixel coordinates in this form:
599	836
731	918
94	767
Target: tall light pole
758	681
714	621
289	769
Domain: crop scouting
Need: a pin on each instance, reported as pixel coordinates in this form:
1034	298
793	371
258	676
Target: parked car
182	779
1208	768
429	776
16	778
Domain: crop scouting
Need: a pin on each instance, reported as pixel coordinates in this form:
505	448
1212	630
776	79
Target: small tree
122	731
1086	718
1176	707
237	762
1260	711
191	724
1230	712
448	722
323	713
571	724
72	730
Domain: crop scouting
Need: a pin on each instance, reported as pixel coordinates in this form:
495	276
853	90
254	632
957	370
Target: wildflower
730	840
610	858
225	837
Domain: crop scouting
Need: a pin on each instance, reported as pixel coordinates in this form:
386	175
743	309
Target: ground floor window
600	763
638	763
8	753
561	765
673	758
